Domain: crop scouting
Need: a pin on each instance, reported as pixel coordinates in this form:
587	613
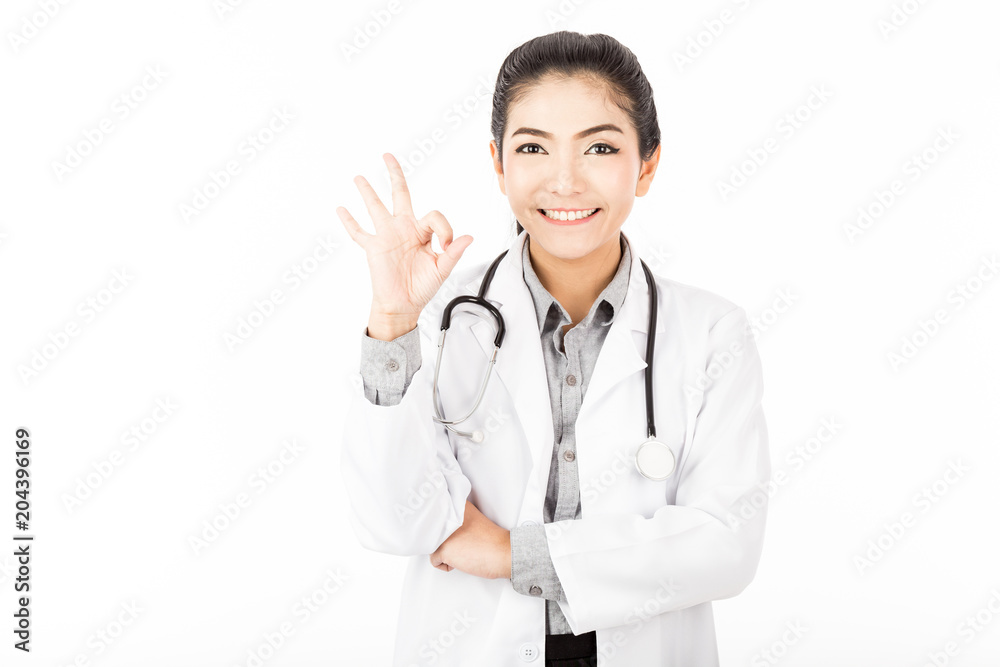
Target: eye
610	151
520	149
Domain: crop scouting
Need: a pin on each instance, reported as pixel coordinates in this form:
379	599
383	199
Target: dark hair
599	57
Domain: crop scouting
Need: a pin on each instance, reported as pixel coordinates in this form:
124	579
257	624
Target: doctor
629	576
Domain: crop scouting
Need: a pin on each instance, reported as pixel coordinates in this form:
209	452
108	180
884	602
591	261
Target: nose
567	176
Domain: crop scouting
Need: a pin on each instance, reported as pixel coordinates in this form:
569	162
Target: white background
163	335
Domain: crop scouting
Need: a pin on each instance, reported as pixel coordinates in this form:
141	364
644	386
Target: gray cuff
387	366
531	569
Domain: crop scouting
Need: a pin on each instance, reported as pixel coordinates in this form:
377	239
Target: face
567	147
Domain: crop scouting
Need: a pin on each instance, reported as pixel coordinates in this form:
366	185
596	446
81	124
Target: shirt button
391	365
571	380
569	455
535	590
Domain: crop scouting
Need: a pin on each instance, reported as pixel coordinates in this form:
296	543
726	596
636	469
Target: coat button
569	455
527	652
571	380
391	365
535	590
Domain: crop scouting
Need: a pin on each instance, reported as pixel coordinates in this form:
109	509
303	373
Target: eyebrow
578	135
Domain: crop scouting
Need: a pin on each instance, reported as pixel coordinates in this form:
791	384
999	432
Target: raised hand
405	271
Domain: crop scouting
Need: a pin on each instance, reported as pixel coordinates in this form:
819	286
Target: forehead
565	106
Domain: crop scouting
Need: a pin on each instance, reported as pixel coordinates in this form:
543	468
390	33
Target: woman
543	536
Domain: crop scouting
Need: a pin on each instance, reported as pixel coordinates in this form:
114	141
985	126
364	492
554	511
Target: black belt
571	650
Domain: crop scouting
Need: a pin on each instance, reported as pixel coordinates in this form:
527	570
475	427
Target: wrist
388	327
506	556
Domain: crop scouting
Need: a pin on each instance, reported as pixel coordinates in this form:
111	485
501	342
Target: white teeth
568	215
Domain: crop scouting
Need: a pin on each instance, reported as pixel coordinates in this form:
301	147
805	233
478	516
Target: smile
571	216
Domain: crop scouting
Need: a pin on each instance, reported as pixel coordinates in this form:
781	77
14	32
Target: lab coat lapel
623	353
520	365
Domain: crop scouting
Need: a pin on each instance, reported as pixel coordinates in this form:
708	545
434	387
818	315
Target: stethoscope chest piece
654	460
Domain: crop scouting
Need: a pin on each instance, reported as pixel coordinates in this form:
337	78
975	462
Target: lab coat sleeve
706	546
407	492
531	564
387	366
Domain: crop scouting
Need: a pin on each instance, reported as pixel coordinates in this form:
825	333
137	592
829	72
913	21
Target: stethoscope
653	459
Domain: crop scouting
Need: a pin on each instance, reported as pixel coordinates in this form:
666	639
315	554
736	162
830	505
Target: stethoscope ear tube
653	459
479	301
438	416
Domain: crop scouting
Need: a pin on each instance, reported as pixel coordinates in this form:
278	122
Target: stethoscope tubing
480	300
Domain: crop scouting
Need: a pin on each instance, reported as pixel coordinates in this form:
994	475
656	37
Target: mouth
563	216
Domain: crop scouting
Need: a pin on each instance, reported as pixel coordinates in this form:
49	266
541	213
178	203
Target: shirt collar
551	314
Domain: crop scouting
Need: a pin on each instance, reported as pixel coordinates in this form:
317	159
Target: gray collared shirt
570	359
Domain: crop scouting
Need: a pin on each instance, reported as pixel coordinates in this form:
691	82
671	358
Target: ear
497	167
646	173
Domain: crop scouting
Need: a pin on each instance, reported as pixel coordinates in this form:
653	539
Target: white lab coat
646	559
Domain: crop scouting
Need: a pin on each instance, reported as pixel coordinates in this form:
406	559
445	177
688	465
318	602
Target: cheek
618	181
521	185
618	173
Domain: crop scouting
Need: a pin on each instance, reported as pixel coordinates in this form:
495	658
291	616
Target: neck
576	283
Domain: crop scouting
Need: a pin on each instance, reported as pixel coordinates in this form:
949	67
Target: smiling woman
606	554
594	145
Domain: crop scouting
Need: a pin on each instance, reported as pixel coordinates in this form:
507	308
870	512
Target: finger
436	221
400	193
449	258
359	235
376	210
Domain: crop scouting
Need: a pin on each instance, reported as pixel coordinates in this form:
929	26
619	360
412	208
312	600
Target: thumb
447	260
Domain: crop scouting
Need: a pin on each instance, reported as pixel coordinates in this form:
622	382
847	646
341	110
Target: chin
564	246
